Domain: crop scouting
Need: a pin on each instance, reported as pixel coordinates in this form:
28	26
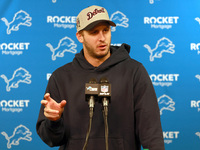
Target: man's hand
52	110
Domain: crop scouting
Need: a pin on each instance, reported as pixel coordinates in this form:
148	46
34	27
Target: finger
51	111
52	117
47	97
44	102
63	103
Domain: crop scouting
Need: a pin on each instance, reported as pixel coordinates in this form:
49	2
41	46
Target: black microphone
104	92
91	92
105	98
91	95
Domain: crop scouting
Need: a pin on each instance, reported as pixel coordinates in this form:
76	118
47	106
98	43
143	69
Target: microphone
91	92
105	97
104	92
91	95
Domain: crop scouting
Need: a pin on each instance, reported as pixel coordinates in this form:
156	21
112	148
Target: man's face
96	42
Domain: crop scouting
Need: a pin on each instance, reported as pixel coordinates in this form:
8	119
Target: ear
79	36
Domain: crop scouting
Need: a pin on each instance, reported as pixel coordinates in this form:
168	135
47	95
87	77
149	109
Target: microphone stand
91	106
104	94
91	93
105	115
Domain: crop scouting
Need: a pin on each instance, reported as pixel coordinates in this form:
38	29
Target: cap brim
93	24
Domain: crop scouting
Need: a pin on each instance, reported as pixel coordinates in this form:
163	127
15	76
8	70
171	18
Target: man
133	114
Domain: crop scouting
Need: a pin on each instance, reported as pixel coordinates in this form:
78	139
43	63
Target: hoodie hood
118	54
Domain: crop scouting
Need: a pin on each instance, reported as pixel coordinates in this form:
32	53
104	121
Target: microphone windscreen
104	89
104	80
91	89
93	80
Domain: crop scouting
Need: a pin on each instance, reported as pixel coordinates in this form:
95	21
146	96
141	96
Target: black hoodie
133	114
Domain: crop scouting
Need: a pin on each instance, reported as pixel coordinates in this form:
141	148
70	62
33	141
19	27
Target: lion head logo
120	19
164	45
165	103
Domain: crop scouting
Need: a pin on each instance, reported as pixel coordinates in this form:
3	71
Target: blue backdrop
164	35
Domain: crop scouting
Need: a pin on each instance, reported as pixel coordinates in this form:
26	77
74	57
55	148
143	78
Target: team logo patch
104	88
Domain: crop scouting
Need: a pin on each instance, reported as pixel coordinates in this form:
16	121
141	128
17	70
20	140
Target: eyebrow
96	28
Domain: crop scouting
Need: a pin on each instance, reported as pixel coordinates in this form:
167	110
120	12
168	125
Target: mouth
102	46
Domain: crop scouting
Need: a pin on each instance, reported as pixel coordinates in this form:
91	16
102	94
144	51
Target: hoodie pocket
96	144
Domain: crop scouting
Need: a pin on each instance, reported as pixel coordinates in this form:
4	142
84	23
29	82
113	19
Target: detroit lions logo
21	132
20	75
198	76
198	134
165	103
54	1
197	19
120	20
20	18
65	45
164	45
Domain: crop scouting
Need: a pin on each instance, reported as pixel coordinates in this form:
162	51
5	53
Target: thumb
63	103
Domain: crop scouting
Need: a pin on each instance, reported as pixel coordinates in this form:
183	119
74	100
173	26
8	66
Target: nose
101	36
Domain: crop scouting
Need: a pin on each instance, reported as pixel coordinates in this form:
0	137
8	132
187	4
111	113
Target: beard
92	51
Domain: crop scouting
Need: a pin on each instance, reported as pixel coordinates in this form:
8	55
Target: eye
106	29
93	32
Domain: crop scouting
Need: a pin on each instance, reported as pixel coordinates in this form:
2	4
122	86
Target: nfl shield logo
104	88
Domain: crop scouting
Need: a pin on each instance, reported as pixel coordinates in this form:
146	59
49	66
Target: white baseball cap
91	16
